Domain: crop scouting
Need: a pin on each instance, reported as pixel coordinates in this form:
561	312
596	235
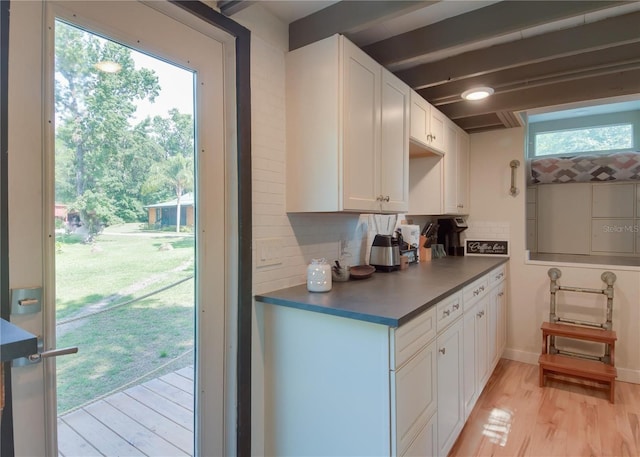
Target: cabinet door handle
386	199
500	294
443	350
460	205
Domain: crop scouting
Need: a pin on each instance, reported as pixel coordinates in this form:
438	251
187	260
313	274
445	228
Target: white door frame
31	26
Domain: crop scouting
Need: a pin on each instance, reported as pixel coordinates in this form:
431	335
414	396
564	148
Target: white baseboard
624	374
521	356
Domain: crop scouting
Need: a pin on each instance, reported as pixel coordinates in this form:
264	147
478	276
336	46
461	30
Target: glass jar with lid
318	276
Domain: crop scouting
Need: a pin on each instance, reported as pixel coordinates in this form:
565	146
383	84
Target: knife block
425	253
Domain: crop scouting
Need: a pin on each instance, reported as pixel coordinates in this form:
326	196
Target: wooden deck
151	419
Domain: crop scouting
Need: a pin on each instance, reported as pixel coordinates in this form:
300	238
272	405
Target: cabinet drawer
412	336
475	290
448	310
497	275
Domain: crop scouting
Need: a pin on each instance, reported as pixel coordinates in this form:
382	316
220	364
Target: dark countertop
15	342
389	298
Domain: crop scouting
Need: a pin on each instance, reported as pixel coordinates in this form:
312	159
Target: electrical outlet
268	252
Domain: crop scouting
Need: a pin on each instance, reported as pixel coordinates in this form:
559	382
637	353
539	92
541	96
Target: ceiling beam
603	34
490	120
592	88
509	119
231	7
555	70
347	17
484	23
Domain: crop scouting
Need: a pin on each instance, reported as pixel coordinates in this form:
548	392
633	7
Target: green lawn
122	343
89	273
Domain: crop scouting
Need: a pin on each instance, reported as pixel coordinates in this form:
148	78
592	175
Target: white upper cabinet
456	170
427	125
347	131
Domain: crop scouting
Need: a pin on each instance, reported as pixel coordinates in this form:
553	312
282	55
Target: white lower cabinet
484	325
337	387
450	375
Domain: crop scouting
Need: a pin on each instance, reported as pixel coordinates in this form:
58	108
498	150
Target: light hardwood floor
515	417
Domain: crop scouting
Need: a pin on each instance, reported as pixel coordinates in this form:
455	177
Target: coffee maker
449	231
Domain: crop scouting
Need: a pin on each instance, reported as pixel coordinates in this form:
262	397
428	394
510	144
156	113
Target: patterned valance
622	166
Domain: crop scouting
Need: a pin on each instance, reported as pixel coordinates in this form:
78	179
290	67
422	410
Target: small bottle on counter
318	276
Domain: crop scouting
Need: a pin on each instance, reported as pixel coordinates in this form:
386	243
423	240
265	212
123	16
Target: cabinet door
361	150
613	200
450	170
437	122
419	119
482	344
500	301
492	330
469	356
462	183
450	388
415	388
425	444
394	153
564	218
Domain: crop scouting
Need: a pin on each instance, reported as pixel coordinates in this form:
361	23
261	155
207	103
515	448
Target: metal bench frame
609	278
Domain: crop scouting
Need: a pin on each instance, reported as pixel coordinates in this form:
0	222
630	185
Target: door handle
52	353
42	354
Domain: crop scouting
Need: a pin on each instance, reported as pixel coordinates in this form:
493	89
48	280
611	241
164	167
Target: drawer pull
476	292
445	313
456	306
443	350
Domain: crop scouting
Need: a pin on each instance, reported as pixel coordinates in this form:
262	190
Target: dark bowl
362	271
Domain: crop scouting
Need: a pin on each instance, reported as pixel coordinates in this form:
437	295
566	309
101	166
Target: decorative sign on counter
487	247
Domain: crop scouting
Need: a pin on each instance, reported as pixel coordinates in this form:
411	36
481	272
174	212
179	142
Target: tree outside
591	139
108	165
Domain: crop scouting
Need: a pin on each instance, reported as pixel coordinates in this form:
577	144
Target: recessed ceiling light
477	93
108	66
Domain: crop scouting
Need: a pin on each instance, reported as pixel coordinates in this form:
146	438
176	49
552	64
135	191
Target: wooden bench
594	370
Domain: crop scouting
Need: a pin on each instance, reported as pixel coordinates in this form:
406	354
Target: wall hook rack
513	191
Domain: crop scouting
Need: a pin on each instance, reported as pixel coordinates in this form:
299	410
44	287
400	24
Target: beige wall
528	290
